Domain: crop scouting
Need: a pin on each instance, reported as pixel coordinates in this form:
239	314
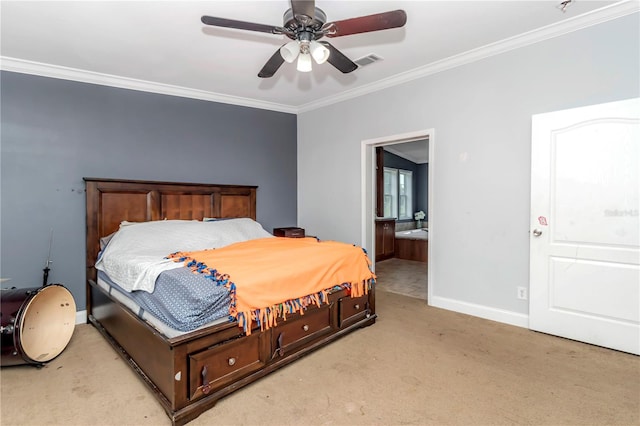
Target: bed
188	372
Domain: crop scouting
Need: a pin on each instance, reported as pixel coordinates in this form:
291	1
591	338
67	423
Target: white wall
481	113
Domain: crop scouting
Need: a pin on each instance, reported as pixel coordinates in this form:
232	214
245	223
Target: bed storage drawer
220	365
292	334
352	309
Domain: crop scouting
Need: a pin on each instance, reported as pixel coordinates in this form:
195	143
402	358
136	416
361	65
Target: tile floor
401	276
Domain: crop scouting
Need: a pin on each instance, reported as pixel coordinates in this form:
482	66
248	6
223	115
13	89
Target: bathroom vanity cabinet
385	238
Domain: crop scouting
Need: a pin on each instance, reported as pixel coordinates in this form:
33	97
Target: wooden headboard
110	201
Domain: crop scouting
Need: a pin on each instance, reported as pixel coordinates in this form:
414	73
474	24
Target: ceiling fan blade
272	65
339	60
241	25
365	24
302	8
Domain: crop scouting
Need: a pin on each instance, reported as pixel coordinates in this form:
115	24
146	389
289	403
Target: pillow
105	240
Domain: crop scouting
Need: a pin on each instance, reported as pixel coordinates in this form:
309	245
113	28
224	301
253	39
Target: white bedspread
135	255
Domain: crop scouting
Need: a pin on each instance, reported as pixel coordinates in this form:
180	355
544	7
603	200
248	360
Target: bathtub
413	234
412	244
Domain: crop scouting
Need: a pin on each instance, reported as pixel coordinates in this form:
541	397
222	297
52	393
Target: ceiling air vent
367	60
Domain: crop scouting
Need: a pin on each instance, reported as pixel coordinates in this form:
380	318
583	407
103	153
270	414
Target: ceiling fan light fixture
304	23
304	62
319	53
290	51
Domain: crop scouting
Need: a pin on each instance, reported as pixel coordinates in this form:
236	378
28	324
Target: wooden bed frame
188	374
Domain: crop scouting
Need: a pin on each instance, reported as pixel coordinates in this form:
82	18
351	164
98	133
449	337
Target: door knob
537	232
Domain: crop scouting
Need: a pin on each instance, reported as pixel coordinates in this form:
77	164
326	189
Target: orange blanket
271	277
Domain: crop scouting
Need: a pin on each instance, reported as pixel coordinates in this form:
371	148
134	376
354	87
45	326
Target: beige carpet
417	365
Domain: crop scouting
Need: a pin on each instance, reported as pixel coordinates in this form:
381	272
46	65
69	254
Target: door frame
368	191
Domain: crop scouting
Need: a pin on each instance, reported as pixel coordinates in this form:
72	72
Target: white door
585	225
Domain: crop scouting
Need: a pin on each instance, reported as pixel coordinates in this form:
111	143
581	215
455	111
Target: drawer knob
232	361
305	327
357	306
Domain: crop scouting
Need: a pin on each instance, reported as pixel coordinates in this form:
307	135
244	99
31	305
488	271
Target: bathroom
401	223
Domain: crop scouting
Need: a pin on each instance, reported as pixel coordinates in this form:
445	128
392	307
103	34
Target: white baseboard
494	314
81	317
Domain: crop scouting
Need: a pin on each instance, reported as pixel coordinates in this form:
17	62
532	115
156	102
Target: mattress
182	302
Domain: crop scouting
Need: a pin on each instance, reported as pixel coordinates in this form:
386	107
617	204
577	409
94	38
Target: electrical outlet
522	293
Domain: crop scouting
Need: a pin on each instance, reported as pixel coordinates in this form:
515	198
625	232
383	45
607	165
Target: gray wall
481	113
55	132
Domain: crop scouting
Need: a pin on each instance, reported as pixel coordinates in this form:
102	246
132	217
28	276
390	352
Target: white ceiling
415	151
161	46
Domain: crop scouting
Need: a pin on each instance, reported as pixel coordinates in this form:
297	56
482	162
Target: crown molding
83	76
607	13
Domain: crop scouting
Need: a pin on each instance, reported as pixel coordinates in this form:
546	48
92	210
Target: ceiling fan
305	24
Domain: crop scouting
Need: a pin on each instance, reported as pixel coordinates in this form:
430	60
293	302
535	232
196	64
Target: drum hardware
46	269
8	329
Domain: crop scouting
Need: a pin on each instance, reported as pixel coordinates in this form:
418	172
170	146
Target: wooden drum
37	324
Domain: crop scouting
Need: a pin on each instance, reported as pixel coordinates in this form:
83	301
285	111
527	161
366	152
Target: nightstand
290	232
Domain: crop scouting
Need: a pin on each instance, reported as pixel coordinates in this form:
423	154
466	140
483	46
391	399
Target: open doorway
405	267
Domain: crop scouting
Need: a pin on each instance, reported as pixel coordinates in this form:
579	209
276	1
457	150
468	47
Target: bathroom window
398	193
390	192
405	189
